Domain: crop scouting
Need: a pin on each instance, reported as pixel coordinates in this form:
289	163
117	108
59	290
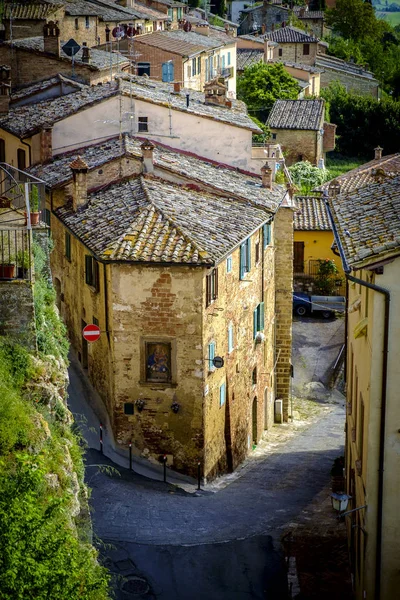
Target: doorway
84	348
254	421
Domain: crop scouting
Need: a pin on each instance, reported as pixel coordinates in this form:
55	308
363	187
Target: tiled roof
297	114
291	35
388	166
107	10
179	42
247	58
337	64
40	86
99	59
206	173
252	38
149	220
301	66
312	214
368	222
34	10
24	121
160	93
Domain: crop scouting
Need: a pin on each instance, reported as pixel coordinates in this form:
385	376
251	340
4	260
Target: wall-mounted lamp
175	406
340	502
140	404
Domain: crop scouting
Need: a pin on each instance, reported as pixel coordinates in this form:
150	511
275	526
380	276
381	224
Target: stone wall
295	53
283	235
299	145
352	82
17	312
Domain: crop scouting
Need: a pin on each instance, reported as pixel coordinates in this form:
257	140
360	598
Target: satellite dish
71	47
118	32
187	26
218	362
130	32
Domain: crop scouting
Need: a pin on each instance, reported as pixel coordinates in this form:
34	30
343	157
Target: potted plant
337	475
7	269
23	264
34	205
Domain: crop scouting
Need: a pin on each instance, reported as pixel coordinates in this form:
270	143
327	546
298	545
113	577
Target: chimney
177	87
46	144
266	176
51	38
147	156
85	53
79	172
302	11
202	28
215	92
334	189
378	153
5	89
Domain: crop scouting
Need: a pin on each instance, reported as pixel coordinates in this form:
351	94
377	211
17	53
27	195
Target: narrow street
163	542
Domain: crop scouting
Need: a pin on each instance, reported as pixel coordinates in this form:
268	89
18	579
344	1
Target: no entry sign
91	333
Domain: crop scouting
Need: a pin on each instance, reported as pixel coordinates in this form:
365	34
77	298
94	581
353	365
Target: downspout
386	293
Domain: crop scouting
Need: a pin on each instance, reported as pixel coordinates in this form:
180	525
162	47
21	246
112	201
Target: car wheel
327	314
300	311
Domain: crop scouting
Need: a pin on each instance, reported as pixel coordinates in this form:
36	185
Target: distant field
393	18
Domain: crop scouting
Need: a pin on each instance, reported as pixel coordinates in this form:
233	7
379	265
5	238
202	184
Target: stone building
178	263
295	45
299	126
355	78
366	223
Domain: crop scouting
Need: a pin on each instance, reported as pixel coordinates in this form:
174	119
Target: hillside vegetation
45	533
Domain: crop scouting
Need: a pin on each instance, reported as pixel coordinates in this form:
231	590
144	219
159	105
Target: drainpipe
386	293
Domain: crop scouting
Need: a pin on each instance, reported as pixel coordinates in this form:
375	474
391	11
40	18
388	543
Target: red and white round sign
91	333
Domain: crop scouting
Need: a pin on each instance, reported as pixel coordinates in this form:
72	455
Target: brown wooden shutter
207	290
215	284
298	257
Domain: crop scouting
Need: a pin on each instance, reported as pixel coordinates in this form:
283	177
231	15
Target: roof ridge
202	252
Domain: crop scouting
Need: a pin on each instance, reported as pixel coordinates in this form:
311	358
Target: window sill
158	385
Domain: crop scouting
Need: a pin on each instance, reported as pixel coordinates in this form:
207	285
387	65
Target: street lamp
340	502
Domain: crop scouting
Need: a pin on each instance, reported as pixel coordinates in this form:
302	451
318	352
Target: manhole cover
136	586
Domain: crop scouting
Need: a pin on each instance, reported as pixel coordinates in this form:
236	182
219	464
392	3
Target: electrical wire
319	305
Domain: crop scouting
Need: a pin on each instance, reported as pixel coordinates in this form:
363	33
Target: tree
353	19
306	176
261	85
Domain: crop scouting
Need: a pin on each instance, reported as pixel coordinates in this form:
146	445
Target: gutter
381	466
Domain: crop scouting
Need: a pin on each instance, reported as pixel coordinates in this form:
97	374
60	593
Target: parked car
326	306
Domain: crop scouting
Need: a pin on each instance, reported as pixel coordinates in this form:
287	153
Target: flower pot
5	202
34	218
7	271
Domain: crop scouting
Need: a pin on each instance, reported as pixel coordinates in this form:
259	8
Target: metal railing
15	254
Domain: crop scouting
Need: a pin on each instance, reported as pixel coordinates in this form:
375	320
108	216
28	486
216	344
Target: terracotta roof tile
290	35
312	214
368	221
78	163
150	220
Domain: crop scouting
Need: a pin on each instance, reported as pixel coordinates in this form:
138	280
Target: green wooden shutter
248	266
255	319
222	395
242	261
88	269
261	320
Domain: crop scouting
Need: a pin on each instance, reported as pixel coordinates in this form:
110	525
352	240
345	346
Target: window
47	217
158	362
298	257
143	124
266	234
211	356
179	13
230	338
280	52
143	68
128	408
170	13
278	18
92	277
2	151
229	264
67	246
95	321
87	22
258	319
167	72
306	49
229	58
76	23
274	136
245	258
257	252
194	65
207	69
211	286
199	65
222	394
254	376
21	159
223	62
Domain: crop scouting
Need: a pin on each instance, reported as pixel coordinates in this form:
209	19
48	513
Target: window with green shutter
230	338
92	276
267	234
68	246
258	319
229	264
245	258
211	356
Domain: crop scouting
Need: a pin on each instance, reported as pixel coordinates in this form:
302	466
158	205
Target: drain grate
136	586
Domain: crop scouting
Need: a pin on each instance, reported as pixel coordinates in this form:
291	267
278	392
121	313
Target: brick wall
329	136
283	235
157	56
